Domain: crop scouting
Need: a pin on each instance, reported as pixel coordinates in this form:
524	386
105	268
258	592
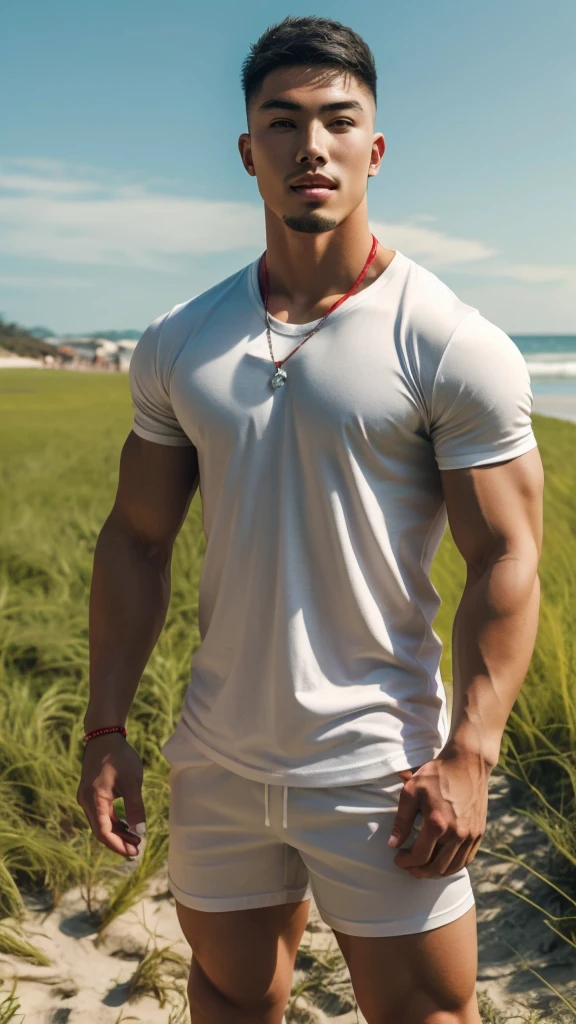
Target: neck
306	269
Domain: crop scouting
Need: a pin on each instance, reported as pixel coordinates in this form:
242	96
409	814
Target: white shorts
235	843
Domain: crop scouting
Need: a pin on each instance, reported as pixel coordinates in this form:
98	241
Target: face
292	135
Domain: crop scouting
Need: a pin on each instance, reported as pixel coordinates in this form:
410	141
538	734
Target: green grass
60	439
60	442
9	1005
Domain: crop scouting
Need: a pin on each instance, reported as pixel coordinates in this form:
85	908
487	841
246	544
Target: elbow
119	531
510	581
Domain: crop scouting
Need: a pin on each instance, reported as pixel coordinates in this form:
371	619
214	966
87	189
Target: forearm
493	639
129	598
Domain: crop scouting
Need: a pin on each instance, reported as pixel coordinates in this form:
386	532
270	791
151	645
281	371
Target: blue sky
122	192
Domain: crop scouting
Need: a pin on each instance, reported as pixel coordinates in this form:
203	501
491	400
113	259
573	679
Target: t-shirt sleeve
154	418
481	401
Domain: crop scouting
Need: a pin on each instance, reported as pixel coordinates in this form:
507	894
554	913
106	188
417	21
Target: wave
556	368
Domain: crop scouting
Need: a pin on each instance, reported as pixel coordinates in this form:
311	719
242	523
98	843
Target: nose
313	145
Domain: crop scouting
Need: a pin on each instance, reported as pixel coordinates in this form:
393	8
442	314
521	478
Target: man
330	451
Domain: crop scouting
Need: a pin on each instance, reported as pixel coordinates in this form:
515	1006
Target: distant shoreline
553	398
559	407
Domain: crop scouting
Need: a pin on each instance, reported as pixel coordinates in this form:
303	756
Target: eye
339	120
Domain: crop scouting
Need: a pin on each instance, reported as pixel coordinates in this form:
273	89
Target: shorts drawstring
267	806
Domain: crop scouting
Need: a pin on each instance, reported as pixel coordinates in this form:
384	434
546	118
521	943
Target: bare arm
130	589
495	514
129	599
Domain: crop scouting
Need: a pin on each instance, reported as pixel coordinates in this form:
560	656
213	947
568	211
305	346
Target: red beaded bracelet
101	732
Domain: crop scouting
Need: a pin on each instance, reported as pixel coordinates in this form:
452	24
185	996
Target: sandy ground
561	407
89	980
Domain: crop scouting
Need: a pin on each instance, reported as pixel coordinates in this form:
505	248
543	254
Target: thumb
404	820
135	813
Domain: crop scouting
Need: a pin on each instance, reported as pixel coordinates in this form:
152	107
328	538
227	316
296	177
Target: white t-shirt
322	509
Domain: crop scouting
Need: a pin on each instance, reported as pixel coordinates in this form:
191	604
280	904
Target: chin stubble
310	222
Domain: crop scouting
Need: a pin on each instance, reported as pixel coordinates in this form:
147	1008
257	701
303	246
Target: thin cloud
434	248
80	215
544	273
24	281
51	186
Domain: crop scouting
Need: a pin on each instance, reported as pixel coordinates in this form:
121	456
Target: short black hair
311	41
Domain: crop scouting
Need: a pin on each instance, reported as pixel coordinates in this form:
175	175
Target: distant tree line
17	340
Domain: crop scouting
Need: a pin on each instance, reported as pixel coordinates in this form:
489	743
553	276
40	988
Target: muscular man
336	404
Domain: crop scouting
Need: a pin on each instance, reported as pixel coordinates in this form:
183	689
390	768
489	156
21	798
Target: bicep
496	509
155	487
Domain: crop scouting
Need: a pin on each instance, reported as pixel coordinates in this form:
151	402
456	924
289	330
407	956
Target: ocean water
548	355
551	361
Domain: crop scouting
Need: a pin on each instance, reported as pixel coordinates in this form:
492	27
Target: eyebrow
277	104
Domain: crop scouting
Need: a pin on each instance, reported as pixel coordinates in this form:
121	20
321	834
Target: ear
378	149
245	149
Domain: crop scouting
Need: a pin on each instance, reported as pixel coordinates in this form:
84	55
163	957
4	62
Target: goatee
310	223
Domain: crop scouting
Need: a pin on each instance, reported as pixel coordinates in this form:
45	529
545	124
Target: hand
112	768
451	792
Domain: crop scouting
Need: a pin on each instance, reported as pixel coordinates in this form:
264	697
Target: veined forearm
129	598
493	639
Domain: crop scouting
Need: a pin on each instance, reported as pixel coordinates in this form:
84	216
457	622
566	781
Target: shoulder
451	349
431	309
449	339
164	338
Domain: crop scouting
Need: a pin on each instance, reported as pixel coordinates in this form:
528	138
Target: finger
88	801
103	815
404	820
135	812
444	857
422	850
131	792
473	850
121	828
449	859
138	838
461	857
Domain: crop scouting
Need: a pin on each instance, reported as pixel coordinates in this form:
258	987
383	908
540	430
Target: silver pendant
277	381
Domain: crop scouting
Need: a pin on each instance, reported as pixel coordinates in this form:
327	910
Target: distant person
337	403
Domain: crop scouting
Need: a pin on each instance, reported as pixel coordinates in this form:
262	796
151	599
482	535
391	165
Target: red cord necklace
280	376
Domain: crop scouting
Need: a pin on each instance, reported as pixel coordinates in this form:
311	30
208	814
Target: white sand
560	407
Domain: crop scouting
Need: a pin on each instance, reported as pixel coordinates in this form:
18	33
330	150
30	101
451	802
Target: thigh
342	836
247	955
410	978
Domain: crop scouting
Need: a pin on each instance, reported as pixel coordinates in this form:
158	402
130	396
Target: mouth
313	191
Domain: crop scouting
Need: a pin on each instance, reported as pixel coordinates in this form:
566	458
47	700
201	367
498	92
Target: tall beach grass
60	441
